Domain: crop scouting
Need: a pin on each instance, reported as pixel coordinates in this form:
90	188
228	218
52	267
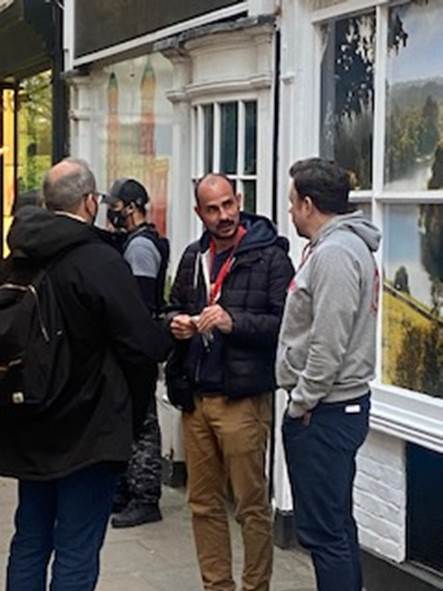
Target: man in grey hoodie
325	361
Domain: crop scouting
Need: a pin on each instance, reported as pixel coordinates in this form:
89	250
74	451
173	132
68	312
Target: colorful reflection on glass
133	128
413	297
414	113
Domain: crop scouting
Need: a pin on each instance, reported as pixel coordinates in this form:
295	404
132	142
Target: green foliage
401	280
35	130
420	360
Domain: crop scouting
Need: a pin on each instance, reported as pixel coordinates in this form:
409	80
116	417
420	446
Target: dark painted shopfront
32	101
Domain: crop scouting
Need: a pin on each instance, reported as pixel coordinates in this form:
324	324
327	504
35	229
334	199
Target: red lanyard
216	287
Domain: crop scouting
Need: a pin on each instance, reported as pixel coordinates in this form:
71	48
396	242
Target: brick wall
380	496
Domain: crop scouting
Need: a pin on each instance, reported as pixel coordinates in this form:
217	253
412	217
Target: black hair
326	183
218	175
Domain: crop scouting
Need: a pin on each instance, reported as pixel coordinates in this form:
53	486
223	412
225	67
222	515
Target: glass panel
366	208
132	120
229	140
251	137
413	297
347	95
34	136
414	113
208	131
7	161
250	196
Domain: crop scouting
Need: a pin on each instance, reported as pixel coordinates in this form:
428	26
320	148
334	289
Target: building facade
247	88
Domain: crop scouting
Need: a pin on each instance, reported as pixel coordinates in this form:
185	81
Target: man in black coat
229	295
68	457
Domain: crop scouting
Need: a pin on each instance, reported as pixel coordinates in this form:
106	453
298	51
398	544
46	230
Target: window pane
365	208
208	150
34	135
347	95
414	113
229	143
413	297
250	137
250	196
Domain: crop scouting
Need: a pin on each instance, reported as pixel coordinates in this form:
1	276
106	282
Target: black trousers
321	464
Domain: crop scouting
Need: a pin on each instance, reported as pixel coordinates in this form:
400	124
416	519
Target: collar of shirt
71	215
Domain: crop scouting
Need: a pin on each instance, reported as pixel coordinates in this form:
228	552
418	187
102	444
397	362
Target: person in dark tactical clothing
147	253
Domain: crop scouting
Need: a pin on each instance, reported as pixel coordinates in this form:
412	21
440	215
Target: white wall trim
139	42
344	9
409	416
227	87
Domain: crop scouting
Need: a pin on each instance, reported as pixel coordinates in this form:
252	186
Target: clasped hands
184	326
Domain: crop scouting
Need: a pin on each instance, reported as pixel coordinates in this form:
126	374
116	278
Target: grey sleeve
335	285
143	258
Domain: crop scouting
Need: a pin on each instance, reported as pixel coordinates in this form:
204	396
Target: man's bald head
66	183
213	183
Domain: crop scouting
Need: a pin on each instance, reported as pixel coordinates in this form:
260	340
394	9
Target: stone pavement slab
161	556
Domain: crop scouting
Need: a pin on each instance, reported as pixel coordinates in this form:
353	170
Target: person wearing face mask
147	253
68	457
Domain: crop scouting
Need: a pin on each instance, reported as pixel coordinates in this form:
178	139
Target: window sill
410	416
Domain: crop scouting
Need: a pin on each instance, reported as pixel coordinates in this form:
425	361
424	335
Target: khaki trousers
226	441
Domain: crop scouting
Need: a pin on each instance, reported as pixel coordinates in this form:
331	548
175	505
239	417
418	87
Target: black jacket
114	345
253	293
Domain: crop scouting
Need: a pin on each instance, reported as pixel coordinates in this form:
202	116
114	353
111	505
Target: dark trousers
141	484
67	517
321	464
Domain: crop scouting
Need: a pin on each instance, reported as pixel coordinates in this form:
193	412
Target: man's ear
239	199
309	204
197	211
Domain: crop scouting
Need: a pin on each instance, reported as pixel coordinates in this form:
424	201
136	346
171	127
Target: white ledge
217	87
410	416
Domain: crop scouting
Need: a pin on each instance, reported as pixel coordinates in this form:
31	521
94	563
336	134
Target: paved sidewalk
160	556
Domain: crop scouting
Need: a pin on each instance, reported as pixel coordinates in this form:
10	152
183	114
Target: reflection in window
229	116
250	137
347	95
226	142
413	298
208	150
365	208
34	135
414	113
249	196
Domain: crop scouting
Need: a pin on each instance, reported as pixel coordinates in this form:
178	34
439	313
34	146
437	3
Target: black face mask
116	218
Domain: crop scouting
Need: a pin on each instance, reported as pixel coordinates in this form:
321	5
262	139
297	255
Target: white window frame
409	415
265	126
198	141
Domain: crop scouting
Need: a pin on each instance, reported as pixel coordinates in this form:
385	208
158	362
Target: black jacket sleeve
183	279
136	340
133	334
147	286
261	330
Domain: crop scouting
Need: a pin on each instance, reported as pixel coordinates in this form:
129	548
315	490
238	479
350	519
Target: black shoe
134	515
118	506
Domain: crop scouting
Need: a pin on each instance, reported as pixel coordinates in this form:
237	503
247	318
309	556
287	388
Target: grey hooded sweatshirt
326	348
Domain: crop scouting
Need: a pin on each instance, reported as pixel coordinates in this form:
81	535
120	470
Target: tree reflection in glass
347	95
414	92
413	298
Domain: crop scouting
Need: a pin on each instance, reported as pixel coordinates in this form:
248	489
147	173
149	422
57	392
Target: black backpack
34	349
